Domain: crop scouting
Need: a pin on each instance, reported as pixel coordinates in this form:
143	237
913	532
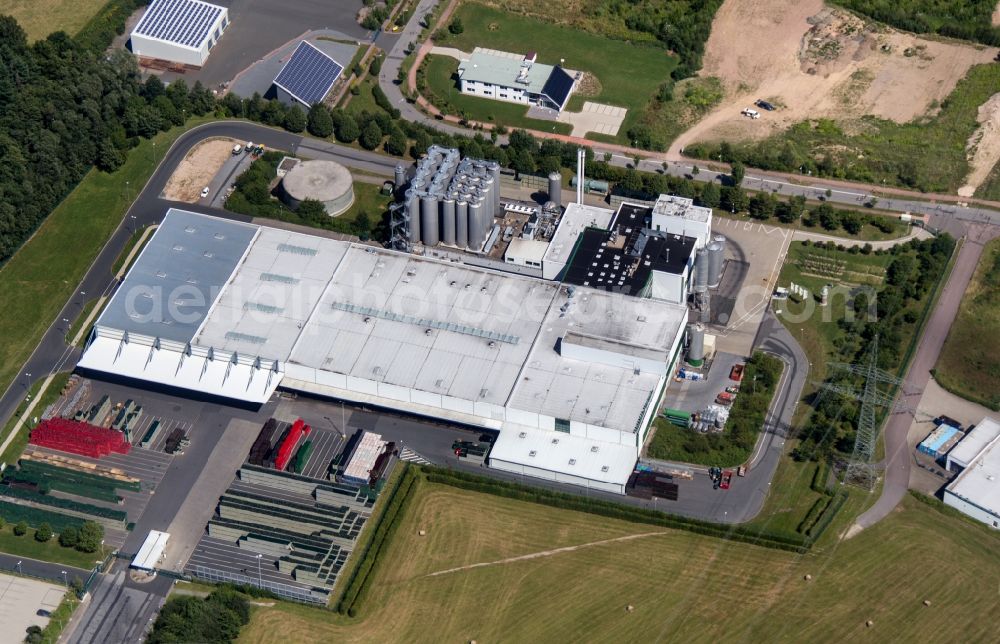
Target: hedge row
613	510
818	528
63	504
820	476
813	514
107	23
14	513
357	589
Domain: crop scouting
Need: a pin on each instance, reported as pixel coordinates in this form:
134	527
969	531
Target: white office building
976	490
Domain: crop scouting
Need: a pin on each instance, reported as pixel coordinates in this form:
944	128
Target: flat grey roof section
177	277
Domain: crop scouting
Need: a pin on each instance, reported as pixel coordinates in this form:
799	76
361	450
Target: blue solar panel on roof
558	86
309	74
184	22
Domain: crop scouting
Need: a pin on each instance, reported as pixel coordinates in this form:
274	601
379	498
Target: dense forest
966	19
65	107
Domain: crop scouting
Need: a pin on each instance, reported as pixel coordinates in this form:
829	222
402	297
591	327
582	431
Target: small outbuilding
325	181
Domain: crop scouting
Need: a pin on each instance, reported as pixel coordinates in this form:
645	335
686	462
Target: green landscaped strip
42	275
85	311
26	546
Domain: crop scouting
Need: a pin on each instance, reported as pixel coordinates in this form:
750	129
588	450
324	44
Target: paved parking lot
595	117
20	599
695	395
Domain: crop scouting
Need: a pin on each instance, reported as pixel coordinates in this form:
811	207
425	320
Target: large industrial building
179	31
570	376
976	490
515	78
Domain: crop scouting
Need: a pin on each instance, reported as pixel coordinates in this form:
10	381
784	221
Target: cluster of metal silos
716	255
452	200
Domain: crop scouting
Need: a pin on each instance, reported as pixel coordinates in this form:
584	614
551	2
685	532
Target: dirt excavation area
197	169
813	61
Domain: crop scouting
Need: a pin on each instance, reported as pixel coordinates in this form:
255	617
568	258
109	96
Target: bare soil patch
197	169
984	146
820	62
589	85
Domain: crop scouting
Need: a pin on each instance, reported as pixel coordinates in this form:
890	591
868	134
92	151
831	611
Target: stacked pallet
262	446
285	451
79	438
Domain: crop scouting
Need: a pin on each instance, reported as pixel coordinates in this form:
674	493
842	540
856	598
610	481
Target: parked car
237	149
43	613
742	471
204	192
736	373
715	473
750	112
732	390
727	477
764	105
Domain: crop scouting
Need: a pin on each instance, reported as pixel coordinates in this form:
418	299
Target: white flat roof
151	550
565	454
674	206
984	433
979	483
576	219
405	323
527	249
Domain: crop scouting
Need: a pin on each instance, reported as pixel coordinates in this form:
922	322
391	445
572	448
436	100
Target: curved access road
52	353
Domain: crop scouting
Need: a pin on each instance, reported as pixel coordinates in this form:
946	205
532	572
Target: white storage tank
325	181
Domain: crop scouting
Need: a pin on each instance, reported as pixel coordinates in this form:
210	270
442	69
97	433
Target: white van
752	113
237	149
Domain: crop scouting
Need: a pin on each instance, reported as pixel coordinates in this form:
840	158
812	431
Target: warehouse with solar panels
179	31
569	376
307	77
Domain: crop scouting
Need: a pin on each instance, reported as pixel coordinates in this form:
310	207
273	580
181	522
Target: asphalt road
41	569
897	449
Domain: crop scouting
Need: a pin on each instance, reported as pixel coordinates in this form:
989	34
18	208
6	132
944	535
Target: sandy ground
812	61
197	169
984	146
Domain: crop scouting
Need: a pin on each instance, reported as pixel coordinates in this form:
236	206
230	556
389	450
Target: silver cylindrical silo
701	270
714	264
429	220
477	234
555	188
413	217
491	195
696	344
462	223
448	221
399	177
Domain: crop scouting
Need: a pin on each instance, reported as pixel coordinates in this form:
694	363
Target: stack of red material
79	438
287	448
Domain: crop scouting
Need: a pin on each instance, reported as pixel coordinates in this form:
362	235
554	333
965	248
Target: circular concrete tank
325	181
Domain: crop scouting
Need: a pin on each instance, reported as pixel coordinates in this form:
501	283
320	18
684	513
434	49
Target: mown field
969	364
39	18
683	586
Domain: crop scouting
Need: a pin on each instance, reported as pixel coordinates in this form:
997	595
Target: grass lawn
26	546
441	83
647	65
683	586
868	232
13	451
969	364
41	276
926	154
39	18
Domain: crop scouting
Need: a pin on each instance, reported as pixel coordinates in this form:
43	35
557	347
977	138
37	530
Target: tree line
965	19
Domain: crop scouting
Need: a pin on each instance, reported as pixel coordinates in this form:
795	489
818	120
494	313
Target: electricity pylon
861	469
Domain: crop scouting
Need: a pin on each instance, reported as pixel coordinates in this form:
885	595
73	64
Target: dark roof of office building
309	74
558	86
623	258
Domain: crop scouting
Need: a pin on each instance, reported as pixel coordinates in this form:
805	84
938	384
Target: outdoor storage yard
491	561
